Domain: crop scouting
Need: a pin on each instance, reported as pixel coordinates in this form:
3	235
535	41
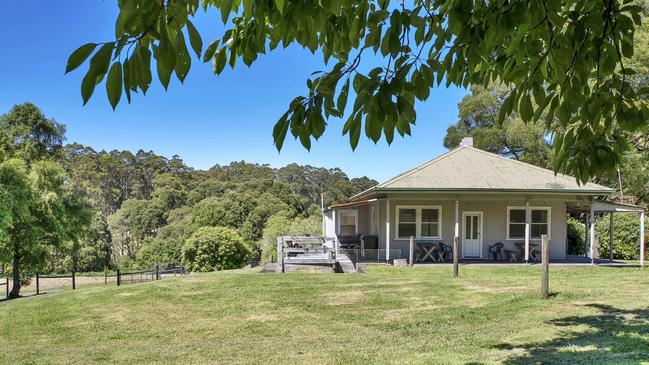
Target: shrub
576	239
158	251
626	235
215	248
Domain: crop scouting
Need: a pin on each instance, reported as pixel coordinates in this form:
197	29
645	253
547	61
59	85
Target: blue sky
208	120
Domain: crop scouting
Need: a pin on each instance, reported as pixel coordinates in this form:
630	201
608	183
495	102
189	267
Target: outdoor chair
495	250
446	251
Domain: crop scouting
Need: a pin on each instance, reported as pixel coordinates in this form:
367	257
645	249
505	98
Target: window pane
475	228
348	219
430	215
407	215
517	216
429	230
346	230
407	229
467	227
517	231
540	216
538	229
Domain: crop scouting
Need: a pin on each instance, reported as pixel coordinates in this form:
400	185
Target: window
419	221
539	222
348	222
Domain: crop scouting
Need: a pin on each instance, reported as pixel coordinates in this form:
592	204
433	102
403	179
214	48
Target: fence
39	283
370	255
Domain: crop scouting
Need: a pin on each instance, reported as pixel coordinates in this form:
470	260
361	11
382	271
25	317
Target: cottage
496	207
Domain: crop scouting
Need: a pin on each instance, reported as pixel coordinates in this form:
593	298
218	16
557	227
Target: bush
626	235
215	248
576	240
158	251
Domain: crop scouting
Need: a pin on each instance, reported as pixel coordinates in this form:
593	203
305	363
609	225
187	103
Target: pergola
598	206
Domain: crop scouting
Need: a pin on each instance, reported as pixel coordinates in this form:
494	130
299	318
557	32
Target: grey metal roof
468	168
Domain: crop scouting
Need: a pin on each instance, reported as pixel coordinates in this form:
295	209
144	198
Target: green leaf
209	52
226	8
280	6
341	102
88	86
183	60
219	61
195	39
279	131
525	107
77	57
114	84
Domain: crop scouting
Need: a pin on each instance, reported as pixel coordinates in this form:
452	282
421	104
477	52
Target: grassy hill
390	315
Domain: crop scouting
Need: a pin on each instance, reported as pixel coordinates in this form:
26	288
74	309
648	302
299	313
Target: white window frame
340	214
418	209
532	207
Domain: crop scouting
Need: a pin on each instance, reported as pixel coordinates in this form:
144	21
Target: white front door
472	234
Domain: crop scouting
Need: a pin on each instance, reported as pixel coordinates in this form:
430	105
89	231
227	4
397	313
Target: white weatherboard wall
494	221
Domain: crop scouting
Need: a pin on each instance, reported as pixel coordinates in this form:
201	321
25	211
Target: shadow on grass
612	336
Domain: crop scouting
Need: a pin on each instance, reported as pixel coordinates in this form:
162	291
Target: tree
27	134
37	213
215	248
478	118
563	58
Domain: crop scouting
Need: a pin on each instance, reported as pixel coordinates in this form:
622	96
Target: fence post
74	281
456	257
157	272
118	277
412	251
7	287
545	263
37	283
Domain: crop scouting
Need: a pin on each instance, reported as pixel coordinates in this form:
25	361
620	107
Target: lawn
389	315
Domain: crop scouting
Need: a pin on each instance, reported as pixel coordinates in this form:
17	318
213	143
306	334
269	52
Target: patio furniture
350	241
512	255
521	250
427	250
446	251
495	250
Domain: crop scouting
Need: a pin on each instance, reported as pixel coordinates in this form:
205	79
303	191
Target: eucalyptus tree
561	58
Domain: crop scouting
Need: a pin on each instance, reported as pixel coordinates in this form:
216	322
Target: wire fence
39	283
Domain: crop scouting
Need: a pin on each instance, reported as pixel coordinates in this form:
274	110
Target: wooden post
280	254
37	284
412	253
105	276
7	287
118	278
456	240
545	266
586	235
610	236
74	281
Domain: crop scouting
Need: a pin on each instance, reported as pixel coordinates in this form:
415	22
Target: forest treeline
146	206
142	209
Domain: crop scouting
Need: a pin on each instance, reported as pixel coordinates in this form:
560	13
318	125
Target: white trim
417	222
532	208
481	215
353	212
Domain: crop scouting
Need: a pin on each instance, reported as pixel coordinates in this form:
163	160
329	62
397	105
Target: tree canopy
565	60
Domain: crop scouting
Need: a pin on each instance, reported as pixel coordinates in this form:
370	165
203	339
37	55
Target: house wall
494	210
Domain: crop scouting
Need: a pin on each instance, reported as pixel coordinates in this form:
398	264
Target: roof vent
466	142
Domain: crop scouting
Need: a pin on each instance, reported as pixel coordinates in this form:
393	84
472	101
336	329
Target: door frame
481	228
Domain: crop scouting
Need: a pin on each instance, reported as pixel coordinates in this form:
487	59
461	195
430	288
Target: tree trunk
15	289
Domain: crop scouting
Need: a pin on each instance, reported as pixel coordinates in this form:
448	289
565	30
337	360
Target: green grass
390	315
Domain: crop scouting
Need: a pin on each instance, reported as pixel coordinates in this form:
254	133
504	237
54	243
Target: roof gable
469	168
